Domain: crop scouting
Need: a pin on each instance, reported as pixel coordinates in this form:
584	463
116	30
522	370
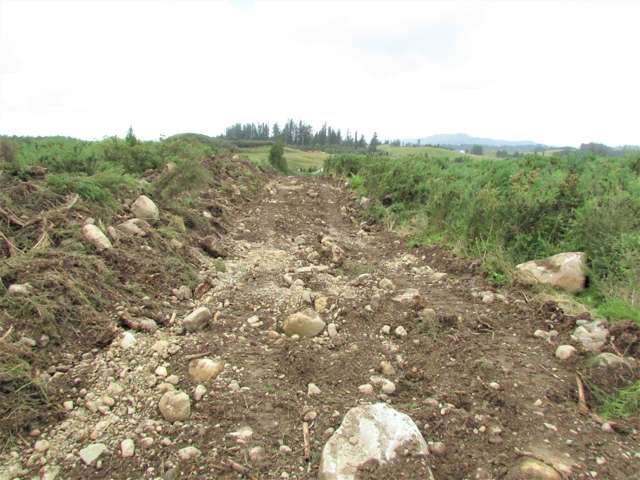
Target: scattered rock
532	469
565	271
387	369
19	289
321	303
592	336
610	360
368	433
41	446
400	332
565	352
175	406
197	320
145	209
388	387
188	453
386	284
96	237
128	340
408	296
135	226
366	389
332	330
199	392
312	390
257	454
127	447
92	452
213	247
183	293
437	448
305	324
205	369
243	434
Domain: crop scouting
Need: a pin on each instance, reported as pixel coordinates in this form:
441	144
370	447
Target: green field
297	160
433	152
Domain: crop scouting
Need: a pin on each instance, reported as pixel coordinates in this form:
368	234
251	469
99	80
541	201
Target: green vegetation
276	157
624	403
298	161
397	151
511	210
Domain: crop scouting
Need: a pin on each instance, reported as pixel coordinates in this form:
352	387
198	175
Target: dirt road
473	377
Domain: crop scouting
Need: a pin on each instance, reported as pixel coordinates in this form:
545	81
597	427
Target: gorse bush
512	210
276	157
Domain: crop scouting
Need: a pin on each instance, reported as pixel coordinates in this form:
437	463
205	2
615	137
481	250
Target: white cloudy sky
559	72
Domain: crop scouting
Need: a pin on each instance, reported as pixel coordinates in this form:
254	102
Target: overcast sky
556	72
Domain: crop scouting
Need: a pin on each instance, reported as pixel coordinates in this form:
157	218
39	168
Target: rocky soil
308	312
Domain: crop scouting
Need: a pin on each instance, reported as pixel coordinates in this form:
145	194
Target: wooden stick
305	438
582	399
13	250
7	333
11	217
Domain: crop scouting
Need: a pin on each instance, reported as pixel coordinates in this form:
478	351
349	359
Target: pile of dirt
73	289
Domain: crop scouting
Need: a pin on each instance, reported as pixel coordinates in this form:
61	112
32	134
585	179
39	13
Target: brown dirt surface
475	379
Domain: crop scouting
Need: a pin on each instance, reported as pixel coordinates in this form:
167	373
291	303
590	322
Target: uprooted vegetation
50	188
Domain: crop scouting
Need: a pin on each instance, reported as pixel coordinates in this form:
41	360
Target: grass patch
625	403
298	161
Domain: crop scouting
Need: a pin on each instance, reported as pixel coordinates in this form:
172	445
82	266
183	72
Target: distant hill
464	139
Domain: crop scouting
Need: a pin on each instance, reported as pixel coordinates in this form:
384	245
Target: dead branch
11	217
305	438
13	250
582	398
193	356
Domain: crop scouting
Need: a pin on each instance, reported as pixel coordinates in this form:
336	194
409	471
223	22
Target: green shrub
276	157
188	175
508	211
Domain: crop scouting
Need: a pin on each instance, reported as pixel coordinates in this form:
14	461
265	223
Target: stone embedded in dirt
386	329
257	454
41	446
369	433
188	453
312	389
197	320
565	271
592	336
400	332
366	389
19	289
161	371
437	448
494	385
128	340
127	447
321	303
332	330
408	296
91	453
532	469
135	226
305	324
565	352
145	209
183	293
205	369
387	368
242	435
386	284
487	297
96	237
199	392
388	387
546	335
285	449
175	406
213	246
428	315
610	360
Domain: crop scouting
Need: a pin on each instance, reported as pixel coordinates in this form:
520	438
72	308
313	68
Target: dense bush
276	157
511	210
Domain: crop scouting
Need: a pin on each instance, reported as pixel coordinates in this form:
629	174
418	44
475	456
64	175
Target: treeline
301	134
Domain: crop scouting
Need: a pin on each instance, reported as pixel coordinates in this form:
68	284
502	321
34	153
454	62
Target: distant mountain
464	139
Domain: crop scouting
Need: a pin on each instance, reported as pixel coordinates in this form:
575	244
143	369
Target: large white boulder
96	237
565	271
305	324
369	432
145	209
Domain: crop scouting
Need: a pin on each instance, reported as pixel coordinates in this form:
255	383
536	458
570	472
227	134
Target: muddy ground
474	378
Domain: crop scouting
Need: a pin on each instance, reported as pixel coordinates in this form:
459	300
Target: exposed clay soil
445	370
